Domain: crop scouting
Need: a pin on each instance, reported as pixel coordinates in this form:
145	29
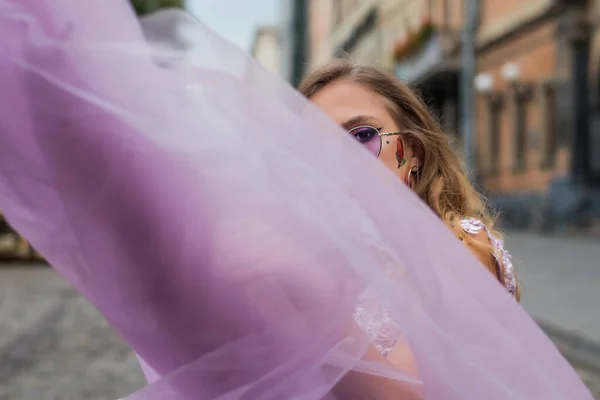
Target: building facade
320	25
421	46
417	39
266	48
538	89
536	135
348	28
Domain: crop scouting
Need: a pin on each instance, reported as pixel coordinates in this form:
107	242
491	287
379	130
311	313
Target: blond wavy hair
443	183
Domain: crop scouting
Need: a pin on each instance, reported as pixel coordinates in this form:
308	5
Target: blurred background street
515	84
54	345
559	275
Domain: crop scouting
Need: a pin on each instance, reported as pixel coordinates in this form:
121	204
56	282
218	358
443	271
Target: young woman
222	250
390	120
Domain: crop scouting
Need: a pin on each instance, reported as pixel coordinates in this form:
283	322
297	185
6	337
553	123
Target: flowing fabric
227	229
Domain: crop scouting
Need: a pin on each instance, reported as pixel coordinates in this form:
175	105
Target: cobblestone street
55	346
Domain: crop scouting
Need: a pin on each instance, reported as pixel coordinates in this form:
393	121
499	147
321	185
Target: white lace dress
381	328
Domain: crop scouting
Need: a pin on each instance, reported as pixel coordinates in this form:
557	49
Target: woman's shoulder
501	256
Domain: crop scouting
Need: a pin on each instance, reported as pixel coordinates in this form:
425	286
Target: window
494	105
521	97
549	136
520	132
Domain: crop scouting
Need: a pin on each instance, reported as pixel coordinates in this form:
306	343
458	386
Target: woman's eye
364	134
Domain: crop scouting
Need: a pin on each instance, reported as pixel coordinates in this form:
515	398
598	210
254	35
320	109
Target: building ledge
492	33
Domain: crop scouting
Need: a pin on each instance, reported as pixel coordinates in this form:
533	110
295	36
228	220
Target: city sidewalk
560	278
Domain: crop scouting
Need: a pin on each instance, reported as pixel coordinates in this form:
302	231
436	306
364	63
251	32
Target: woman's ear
400	152
412	171
414	163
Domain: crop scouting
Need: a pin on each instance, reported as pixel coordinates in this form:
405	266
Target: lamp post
511	72
484	83
294	39
300	50
580	157
467	84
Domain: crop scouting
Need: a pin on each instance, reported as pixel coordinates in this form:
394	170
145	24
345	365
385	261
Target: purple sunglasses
371	138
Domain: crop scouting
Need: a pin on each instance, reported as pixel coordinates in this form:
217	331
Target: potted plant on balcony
414	40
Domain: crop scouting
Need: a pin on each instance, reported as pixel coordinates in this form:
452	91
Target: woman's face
352	105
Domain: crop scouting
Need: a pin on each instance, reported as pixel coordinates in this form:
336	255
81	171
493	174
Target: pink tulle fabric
228	230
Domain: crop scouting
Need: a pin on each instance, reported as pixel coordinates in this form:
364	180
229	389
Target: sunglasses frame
380	134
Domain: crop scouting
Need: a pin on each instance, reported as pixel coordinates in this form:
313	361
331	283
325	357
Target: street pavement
55	346
560	277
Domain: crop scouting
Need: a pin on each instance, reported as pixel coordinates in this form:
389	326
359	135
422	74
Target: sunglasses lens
368	137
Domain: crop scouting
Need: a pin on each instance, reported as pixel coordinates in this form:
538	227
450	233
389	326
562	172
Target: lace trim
379	326
503	258
376	321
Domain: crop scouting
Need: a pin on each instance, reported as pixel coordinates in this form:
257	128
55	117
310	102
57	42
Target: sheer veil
227	229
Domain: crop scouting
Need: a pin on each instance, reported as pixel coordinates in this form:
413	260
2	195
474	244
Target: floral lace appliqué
377	322
503	259
379	326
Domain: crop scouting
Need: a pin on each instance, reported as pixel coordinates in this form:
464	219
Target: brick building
538	100
535	109
422	44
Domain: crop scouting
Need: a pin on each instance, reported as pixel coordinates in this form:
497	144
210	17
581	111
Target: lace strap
502	257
